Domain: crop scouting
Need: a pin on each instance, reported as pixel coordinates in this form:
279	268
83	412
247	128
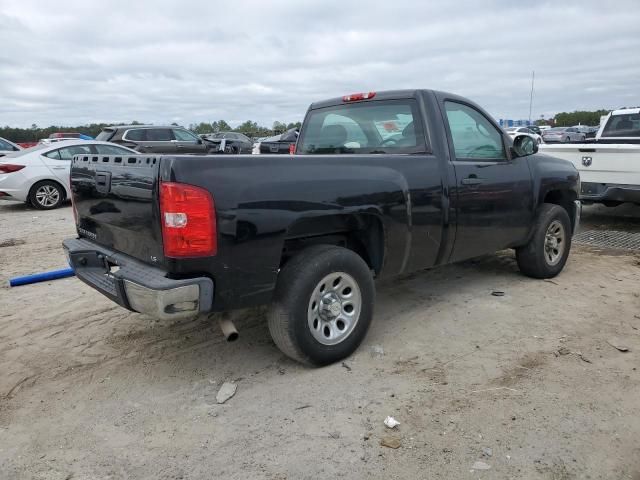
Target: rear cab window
382	126
622	126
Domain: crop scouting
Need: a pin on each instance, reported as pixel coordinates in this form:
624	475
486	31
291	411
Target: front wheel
548	249
323	305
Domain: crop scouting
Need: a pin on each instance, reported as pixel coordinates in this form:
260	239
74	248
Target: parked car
7	146
361	198
514	132
592	131
609	164
280	143
229	142
535	129
563	135
40	175
156	139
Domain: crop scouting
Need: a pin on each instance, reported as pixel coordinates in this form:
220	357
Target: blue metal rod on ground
41	277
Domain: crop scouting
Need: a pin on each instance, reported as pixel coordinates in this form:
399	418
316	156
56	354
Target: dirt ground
528	383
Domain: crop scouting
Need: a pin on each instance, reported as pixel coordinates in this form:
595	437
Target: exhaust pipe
228	328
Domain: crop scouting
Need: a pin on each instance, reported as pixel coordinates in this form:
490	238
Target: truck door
493	193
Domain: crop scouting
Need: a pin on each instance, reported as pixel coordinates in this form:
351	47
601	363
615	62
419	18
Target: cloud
192	61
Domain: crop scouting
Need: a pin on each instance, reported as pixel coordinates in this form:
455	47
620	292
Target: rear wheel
46	195
323	305
548	249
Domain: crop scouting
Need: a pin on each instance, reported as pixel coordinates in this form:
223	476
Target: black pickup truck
381	184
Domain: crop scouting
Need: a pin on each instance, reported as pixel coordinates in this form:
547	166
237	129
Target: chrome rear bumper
135	285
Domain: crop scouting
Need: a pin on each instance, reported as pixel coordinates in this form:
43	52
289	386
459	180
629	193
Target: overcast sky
157	61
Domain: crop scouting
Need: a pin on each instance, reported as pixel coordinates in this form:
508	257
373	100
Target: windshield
385	126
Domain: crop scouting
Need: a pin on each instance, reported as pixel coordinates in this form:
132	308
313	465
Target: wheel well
62	189
362	233
563	198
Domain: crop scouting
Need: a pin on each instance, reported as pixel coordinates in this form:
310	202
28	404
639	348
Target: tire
46	195
538	259
566	140
298	324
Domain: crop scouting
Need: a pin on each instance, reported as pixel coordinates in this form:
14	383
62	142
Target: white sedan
514	132
40	175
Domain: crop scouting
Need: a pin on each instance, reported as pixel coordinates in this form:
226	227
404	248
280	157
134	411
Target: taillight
292	148
9	168
188	221
354	97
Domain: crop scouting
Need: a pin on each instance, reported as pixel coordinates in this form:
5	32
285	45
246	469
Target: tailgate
115	199
601	163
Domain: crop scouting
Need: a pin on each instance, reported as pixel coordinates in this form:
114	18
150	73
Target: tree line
249	128
569	119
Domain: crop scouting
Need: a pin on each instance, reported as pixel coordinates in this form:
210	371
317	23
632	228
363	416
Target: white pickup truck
609	164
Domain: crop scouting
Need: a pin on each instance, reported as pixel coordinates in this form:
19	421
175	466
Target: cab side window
474	136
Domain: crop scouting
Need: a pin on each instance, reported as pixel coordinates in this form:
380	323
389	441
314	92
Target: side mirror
524	145
199	141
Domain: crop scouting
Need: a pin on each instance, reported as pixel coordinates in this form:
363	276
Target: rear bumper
136	285
600	192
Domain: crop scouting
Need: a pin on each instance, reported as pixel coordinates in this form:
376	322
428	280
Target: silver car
563	135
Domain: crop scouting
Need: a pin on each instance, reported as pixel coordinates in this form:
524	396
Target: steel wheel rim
554	243
47	196
334	308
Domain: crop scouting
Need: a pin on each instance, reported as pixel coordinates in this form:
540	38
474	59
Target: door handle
472	181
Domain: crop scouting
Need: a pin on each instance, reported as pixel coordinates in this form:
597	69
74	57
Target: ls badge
586	161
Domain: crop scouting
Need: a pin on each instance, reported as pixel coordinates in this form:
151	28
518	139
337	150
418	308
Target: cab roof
626	111
385	95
